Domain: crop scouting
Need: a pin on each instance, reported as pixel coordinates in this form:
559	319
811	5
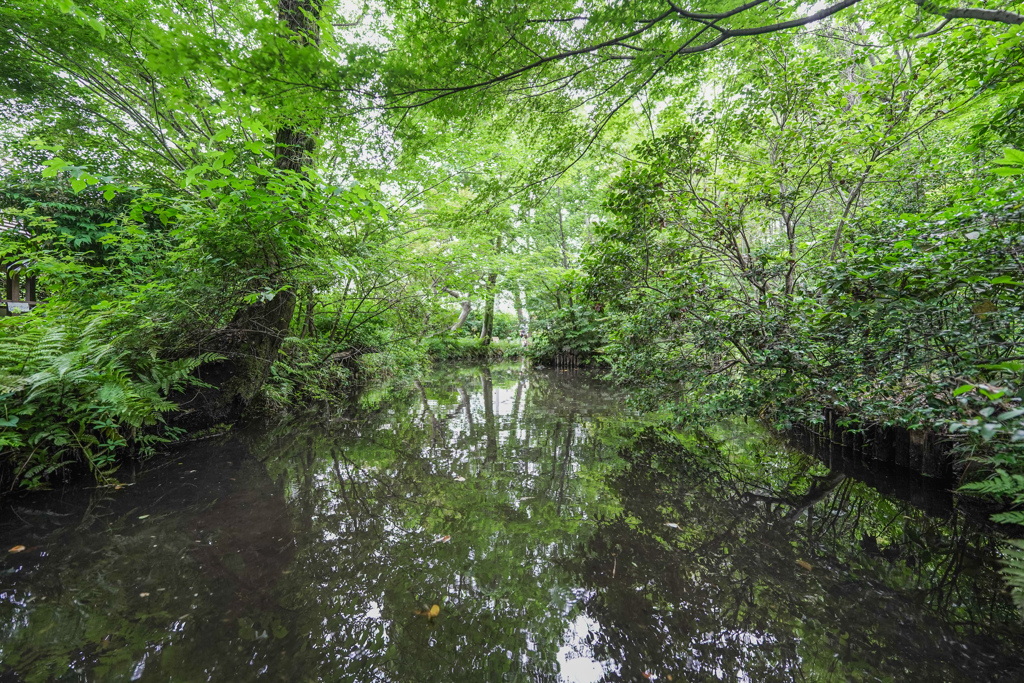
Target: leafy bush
505	325
450	348
392	360
70	392
575	329
307	373
81	222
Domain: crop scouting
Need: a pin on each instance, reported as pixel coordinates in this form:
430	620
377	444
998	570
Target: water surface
561	537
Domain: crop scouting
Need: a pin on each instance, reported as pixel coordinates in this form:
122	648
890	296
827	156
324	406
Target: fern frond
1013	571
12	384
1002	484
112	392
81	392
1011	517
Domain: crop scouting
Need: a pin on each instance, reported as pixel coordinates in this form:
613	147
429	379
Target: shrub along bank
918	324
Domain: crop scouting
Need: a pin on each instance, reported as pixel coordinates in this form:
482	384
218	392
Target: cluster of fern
1007	487
74	392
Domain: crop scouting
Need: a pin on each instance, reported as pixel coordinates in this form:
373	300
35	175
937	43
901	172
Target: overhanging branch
1000	16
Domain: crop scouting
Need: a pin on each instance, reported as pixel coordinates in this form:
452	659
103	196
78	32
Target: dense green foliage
70	393
755	208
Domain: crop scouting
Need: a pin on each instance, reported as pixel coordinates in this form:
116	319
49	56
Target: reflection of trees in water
557	539
725	592
383	497
719	595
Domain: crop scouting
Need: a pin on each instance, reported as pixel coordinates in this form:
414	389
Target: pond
499	524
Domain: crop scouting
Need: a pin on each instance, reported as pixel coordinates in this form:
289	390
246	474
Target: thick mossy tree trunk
252	340
250	344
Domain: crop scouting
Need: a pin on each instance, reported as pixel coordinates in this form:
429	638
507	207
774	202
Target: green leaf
1004	280
1012	517
1013	156
1008	366
991	395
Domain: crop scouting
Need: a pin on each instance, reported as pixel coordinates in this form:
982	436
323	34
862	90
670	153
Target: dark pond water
561	538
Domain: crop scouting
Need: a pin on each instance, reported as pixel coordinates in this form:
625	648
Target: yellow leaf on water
16	549
805	565
428	613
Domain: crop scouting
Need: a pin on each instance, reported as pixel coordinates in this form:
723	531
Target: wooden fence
923	452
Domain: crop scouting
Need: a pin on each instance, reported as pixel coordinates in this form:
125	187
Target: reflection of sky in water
575	661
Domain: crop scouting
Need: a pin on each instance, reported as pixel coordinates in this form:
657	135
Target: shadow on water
561	537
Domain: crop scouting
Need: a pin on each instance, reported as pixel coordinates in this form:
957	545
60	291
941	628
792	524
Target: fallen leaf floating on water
17	549
673	525
429	613
805	565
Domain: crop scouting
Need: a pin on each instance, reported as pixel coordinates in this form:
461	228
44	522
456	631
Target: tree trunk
487	327
520	310
790	285
562	243
294	145
467	306
308	325
251	342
